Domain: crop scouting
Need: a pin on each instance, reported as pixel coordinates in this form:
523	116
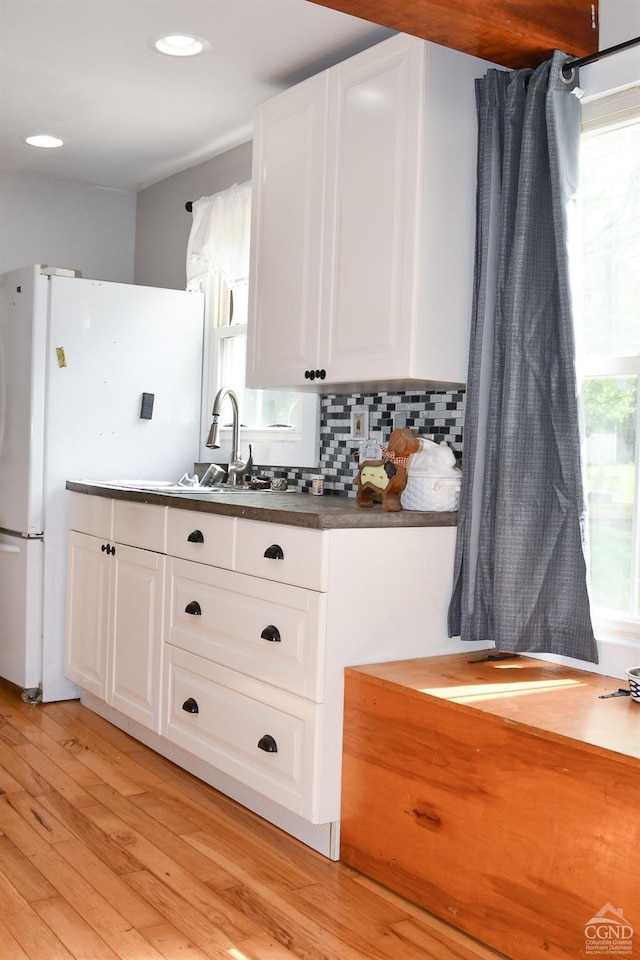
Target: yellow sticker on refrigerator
62	360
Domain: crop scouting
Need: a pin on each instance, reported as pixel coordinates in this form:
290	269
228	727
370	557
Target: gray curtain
520	572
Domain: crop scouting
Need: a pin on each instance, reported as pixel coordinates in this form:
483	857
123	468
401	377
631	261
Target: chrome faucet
237	466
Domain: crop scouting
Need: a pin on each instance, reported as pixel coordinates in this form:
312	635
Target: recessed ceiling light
44	140
179	45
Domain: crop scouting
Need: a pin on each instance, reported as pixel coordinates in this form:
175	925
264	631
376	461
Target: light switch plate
359	425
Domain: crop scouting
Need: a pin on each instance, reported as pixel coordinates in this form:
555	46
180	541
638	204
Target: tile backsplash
438	416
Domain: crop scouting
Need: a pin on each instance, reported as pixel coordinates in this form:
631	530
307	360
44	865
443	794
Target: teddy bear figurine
387	477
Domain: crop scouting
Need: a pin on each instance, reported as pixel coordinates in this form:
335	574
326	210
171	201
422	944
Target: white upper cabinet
372	230
287	233
363	222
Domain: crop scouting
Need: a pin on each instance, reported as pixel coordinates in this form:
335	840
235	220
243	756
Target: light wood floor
109	851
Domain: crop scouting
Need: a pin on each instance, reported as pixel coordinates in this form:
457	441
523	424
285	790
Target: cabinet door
271	631
262	737
286	235
88	598
374	211
133	685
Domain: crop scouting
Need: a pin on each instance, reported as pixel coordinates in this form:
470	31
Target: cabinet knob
191	706
194	609
322	374
271	633
103	547
308	375
108	549
268	744
274	552
196	536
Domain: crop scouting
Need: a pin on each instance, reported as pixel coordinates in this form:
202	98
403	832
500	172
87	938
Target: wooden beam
515	33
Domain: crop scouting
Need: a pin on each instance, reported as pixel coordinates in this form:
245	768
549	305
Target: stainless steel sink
150	486
170	486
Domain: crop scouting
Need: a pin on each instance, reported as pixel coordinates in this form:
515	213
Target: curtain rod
570	65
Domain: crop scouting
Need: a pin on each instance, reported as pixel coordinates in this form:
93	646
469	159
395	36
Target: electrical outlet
359	425
371	449
399	420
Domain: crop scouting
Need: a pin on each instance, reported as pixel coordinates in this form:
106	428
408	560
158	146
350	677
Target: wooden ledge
514	34
553	701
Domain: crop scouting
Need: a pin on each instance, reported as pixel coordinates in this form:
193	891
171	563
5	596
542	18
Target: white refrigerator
98	380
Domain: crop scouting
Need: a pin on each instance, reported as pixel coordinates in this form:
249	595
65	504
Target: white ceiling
82	70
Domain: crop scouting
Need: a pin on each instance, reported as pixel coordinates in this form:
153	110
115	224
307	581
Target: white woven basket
428	492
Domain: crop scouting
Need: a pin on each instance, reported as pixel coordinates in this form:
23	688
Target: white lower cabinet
244	662
135	650
229	637
88	606
115	609
261	736
272	632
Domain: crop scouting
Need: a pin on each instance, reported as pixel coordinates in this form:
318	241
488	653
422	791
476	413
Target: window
609	341
282	426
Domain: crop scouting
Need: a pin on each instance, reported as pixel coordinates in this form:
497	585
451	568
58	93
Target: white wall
163	224
619	21
66	224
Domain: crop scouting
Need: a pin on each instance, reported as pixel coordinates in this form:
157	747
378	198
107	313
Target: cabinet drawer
278	552
271	631
203	537
234	715
140	525
92	515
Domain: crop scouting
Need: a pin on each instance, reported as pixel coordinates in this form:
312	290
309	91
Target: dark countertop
294	509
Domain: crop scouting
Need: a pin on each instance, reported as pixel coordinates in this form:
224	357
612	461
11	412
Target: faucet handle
238	468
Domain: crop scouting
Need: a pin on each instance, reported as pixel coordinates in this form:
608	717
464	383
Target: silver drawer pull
191	706
194	609
274	552
271	633
268	744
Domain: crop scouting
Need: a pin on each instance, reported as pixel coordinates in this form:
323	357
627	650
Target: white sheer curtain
218	246
218	266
